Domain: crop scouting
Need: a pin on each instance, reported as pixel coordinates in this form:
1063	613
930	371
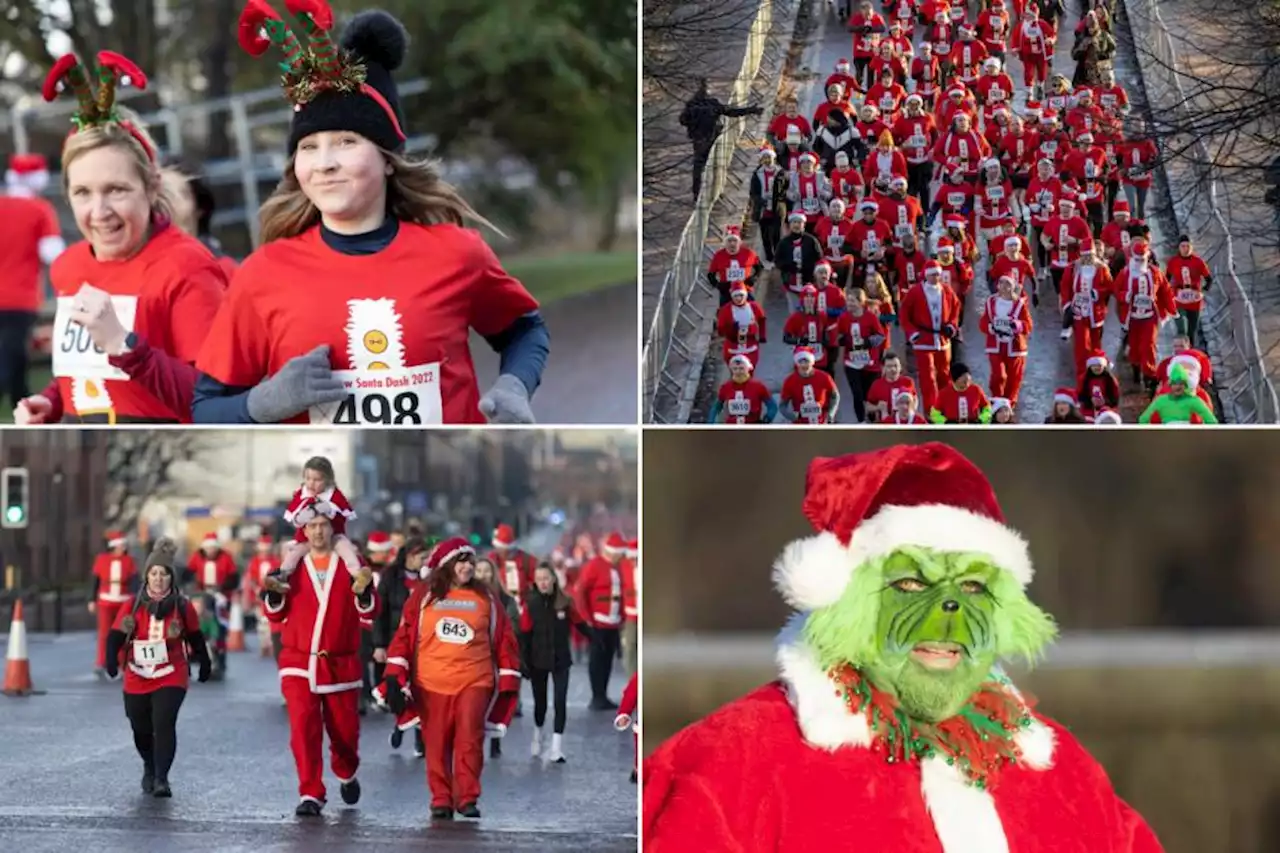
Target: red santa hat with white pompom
28	172
867	505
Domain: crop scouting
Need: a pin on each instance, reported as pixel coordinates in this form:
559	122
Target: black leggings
154	718
560	684
15	335
605	643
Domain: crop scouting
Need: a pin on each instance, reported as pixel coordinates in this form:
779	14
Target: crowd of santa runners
439	631
950	171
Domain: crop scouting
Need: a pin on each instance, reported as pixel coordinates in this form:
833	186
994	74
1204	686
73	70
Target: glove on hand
394	695
303	382
507	402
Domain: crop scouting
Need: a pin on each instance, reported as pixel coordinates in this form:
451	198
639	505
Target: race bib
1083	303
835	241
957	14
1090	169
74	353
810	204
996	94
1142	303
955	199
941	47
739	408
736	273
1188	294
810	410
917	140
858	359
1049	147
452	630
396	397
150	652
1108	100
1003	327
995	193
903	231
887	103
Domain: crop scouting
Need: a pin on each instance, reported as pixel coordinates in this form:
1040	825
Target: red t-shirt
743	403
295	294
809	395
27	221
165	293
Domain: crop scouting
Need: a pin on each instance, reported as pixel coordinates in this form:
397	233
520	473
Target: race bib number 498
74	353
399	396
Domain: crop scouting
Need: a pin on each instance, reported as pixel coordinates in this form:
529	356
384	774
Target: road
1049	363
591	373
69	775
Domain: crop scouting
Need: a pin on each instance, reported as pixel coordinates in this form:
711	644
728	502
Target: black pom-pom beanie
379	42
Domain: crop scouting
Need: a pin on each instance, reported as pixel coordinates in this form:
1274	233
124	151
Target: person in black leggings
546	617
156	640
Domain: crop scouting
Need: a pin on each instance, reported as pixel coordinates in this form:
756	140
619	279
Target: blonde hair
415	193
113	135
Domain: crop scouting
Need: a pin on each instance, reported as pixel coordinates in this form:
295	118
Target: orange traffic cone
17	669
235	631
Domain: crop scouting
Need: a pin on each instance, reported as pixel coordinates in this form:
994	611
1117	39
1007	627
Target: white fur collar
827	723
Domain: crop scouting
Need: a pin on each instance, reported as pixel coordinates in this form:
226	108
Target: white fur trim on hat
813	572
115	543
456	552
1064	398
998	403
1096	361
1107	417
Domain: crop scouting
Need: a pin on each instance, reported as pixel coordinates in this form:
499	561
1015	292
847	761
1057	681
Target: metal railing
1248	394
668	358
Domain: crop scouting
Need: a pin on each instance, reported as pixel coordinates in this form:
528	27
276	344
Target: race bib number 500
455	631
74	353
396	397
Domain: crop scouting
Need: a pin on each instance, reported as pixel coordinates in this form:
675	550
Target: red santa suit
846	185
1098	391
744	402
743	329
811	396
926	73
115	581
884	391
514	567
891	164
331	503
1007	324
1187	277
967	149
915	136
908	268
209	569
924	314
625	717
702	788
1085	291
1146	302
320	666
261	565
1034	41
599	593
966	58
960	407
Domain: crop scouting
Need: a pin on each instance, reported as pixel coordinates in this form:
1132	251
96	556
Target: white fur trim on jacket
964	816
813	572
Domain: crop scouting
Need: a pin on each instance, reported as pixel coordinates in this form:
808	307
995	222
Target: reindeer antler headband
97	108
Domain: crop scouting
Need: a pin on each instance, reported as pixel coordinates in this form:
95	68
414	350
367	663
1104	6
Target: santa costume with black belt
599	596
115	583
892	726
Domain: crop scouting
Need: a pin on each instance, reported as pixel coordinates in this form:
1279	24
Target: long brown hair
415	193
442	578
561	600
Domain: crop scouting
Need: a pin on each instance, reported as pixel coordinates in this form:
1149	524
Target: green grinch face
927	626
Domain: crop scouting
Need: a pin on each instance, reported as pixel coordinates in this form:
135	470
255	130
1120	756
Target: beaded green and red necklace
979	740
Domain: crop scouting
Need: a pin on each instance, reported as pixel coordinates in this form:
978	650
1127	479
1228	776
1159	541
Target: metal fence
1248	395
668	357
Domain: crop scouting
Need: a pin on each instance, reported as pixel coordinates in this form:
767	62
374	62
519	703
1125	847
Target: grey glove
507	402
303	382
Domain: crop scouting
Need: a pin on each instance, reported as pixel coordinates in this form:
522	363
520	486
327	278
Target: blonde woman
135	296
357	308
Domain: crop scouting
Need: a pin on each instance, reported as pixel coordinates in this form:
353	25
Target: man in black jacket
701	118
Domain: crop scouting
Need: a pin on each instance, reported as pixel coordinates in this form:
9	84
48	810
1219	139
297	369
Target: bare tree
139	468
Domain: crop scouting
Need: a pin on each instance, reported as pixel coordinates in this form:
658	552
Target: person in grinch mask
892	726
1179	404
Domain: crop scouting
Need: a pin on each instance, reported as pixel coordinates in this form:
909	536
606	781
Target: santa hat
29	171
1097	358
804	353
795	216
953	221
447	550
932	268
614	544
1108	417
378	542
867	505
115	539
1121	206
868	204
1033	108
741	361
633	548
998	403
732	231
266	540
947	244
503	536
808	158
1013	240
1065	395
767	151
210	541
842	65
739	286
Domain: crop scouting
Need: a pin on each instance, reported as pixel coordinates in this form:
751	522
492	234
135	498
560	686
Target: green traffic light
14	514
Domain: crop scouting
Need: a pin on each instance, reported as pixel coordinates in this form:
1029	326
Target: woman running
358	307
156	639
547	617
455	657
134	297
487	574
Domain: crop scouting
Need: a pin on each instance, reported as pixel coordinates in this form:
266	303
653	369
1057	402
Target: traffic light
14	498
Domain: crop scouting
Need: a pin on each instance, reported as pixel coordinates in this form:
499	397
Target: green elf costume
1178	405
892	728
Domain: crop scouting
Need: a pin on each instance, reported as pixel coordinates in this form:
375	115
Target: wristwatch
130	342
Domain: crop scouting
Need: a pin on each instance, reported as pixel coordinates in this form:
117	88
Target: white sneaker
536	747
554	754
1066	334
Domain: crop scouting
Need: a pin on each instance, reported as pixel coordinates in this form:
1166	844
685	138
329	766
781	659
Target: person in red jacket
155	640
1182	347
742	324
733	263
930	318
1146	303
1138	157
264	562
742	399
211	568
302	337
808	395
318	495
625	719
325	608
115	583
905	410
1190	279
1013	263
957	275
1086	289
891	381
514	567
962	401
135	296
32	239
455	657
1099	388
599	596
1063	238
1006	321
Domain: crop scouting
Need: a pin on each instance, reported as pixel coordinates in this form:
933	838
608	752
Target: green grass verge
547	277
552	277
